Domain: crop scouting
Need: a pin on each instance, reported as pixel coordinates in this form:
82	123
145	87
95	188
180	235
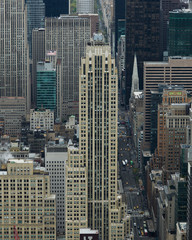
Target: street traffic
130	176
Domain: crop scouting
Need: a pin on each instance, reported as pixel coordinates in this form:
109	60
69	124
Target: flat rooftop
21	161
88	231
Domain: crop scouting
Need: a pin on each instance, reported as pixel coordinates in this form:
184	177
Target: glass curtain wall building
35	19
46	86
180	33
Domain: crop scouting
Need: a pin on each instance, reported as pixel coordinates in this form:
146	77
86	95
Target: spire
135	77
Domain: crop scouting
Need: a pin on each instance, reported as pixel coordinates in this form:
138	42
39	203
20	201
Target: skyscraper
85	6
67	35
14	77
98	111
177	71
180	32
46	86
53	8
38	54
119	15
35	19
166	6
55	160
142	37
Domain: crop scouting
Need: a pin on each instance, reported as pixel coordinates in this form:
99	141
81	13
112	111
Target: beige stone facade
76	194
26	202
98	98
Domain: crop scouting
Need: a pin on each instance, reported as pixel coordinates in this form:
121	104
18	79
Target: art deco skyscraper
14	77
98	113
85	6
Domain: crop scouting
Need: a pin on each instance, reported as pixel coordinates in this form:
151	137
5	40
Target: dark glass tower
166	6
119	18
53	8
35	19
180	33
142	37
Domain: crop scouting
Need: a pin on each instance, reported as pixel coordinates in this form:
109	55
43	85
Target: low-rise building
41	119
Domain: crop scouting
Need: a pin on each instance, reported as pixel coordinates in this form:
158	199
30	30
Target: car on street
134	224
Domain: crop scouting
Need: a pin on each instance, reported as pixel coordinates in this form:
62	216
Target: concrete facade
55	161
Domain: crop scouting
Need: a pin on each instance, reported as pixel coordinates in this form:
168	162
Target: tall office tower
14	77
169	95
53	8
142	37
121	59
167	6
26	202
46	86
119	15
85	6
35	19
67	35
98	111
94	19
177	120
75	194
55	161
177	71
38	54
180	33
